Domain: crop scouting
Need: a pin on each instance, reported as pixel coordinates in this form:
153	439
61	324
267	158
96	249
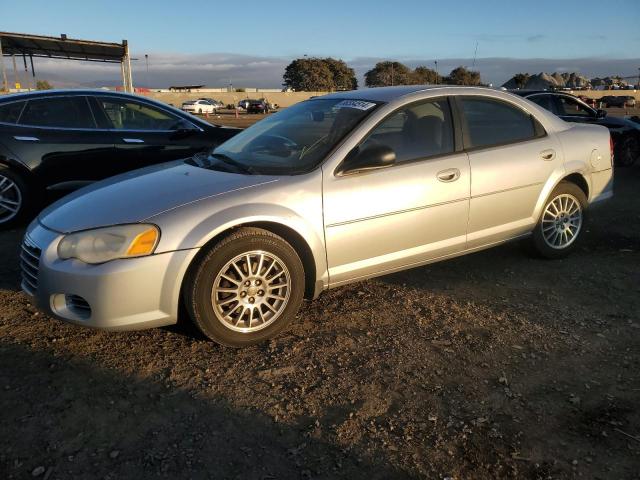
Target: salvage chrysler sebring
329	191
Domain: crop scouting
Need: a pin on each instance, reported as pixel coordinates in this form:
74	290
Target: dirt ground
493	365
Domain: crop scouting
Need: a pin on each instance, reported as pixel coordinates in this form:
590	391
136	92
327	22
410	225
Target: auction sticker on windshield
359	104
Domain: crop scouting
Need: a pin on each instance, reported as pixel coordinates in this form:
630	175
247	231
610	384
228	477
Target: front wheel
561	222
245	289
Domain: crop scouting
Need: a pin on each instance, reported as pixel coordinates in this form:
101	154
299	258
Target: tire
15	198
627	151
240	311
559	226
200	111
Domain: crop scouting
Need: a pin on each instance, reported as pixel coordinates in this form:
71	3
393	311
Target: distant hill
544	81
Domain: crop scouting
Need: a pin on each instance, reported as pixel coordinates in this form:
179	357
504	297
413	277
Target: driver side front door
144	135
416	210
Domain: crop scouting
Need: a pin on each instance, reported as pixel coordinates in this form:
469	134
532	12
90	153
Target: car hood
617	122
135	196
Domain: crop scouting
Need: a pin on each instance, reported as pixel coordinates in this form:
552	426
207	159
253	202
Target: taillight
611	147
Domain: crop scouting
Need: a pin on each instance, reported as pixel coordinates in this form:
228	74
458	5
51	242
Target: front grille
29	264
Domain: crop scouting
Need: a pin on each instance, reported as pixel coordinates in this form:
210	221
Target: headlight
104	244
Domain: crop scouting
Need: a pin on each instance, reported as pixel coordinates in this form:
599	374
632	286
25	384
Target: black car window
493	122
416	131
545	101
10	112
129	115
572	108
60	112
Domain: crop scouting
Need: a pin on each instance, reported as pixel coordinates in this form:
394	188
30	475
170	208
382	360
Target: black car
52	142
625	133
619	101
257	106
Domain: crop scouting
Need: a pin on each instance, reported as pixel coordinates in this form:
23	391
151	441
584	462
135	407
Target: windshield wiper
230	161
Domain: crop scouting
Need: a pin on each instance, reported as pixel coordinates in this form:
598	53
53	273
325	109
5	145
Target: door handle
548	155
26	139
132	140
448	175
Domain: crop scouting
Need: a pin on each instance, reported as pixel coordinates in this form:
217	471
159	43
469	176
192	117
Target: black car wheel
14	197
627	151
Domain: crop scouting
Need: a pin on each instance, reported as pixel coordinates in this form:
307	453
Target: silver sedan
329	191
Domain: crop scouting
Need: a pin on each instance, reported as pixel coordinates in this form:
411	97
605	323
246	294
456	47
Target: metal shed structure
29	46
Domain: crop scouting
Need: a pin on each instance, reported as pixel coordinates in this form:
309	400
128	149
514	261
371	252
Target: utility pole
146	60
5	83
436	62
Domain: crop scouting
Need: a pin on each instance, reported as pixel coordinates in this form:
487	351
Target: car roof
384	94
68	91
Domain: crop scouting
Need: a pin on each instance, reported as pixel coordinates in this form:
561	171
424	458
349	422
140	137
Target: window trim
456	138
535	123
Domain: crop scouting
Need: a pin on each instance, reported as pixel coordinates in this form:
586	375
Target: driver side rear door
144	134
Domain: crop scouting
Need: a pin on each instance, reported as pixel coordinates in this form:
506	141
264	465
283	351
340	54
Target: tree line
330	74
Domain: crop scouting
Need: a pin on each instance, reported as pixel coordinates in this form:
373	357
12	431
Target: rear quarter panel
587	151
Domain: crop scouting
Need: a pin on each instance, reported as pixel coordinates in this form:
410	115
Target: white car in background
198	106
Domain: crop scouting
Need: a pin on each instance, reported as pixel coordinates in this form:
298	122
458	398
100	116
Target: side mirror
369	158
601	113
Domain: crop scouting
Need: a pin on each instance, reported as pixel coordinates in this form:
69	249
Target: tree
43	85
319	75
344	78
424	76
521	79
388	73
462	76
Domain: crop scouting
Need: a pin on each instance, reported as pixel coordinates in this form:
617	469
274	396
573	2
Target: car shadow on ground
140	428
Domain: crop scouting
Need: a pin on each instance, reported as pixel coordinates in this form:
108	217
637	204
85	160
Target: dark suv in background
625	133
58	141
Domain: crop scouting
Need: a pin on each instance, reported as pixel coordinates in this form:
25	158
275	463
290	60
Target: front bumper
127	294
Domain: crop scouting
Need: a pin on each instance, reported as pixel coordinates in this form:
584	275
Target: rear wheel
245	289
561	222
14	197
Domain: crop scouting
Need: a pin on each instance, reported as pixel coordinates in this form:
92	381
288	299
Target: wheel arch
579	180
313	286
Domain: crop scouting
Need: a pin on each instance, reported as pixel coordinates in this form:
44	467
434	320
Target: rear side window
61	112
10	112
545	101
490	122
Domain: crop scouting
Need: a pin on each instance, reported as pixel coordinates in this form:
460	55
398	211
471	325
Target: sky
249	43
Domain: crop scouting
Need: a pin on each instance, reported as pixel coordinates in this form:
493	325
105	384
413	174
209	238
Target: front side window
292	141
128	115
493	122
417	131
10	112
60	112
570	107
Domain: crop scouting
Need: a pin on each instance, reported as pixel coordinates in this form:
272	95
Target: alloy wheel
251	291
10	199
562	221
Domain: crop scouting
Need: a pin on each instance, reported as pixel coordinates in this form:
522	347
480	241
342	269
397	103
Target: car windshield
292	141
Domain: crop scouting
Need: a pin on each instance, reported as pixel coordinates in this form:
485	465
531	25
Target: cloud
220	69
536	38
